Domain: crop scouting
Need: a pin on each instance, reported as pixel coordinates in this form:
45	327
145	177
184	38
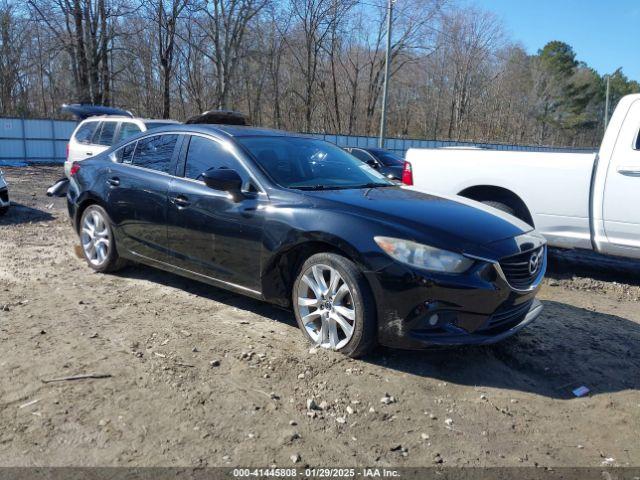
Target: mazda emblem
534	261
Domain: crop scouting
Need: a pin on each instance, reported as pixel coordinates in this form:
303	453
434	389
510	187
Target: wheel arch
86	201
483	193
280	272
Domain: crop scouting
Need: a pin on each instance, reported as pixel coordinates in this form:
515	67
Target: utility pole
606	105
383	118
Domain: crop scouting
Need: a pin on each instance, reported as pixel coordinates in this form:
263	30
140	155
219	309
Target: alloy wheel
95	238
326	308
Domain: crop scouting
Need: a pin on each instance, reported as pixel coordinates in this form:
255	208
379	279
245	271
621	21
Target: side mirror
225	180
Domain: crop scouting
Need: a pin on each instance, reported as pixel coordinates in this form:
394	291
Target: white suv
96	134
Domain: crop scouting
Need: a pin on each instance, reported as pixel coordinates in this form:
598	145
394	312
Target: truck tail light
75	168
407	174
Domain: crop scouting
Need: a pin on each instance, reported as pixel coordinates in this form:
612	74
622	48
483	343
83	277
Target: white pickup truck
576	200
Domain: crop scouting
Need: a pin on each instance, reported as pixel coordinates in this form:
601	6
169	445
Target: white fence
26	141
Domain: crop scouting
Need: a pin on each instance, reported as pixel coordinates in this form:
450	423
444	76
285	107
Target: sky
604	33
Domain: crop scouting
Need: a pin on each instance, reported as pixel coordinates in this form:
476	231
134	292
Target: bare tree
165	15
312	65
224	28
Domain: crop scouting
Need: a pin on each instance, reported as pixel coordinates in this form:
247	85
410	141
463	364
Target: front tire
3	210
334	306
97	240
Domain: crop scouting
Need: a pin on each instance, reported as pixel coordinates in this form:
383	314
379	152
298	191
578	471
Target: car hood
427	215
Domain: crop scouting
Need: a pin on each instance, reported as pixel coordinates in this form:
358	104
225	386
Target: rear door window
156	152
105	137
128	129
85	132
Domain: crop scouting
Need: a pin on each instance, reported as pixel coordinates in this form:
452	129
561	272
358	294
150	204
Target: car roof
120	118
230	130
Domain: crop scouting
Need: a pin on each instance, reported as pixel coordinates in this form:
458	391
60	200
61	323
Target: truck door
622	188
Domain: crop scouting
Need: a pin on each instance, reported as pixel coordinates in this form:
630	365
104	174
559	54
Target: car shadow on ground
582	263
565	348
143	272
19	214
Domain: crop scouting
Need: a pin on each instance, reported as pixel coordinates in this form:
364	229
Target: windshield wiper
374	185
310	187
340	187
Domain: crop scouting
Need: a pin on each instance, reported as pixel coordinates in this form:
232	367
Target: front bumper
418	309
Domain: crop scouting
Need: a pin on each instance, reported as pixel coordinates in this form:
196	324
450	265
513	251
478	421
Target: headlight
423	256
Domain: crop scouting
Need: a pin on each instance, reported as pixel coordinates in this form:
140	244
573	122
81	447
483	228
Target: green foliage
559	58
573	94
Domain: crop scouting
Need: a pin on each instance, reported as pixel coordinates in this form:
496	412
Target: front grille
506	318
519	270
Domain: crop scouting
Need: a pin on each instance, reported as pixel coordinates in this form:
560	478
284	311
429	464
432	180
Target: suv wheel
97	240
334	306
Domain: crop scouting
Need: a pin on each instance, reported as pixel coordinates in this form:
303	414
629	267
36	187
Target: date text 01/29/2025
315	472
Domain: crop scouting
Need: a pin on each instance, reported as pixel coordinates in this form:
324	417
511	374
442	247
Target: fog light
433	320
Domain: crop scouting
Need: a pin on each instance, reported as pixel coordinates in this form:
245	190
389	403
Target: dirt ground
156	334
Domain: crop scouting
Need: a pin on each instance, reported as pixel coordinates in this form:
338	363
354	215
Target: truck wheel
334	306
500	206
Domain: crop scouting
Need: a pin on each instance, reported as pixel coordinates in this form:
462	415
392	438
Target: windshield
310	164
389	159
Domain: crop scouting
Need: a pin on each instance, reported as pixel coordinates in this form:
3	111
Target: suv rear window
85	132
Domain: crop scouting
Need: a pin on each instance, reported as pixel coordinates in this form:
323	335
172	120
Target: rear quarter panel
554	186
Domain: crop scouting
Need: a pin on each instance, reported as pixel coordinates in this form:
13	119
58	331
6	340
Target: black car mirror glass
225	180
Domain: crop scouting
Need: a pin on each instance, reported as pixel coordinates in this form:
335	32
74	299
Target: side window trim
181	164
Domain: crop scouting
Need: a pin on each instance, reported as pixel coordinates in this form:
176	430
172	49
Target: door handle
88	153
629	170
113	181
180	201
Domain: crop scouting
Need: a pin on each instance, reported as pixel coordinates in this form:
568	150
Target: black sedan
299	222
385	162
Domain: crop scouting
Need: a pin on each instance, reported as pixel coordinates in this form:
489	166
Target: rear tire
334	306
98	242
